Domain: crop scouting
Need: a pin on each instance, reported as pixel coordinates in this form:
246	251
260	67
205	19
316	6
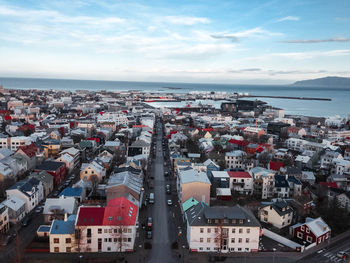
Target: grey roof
126	178
191	175
199	214
140	143
280	181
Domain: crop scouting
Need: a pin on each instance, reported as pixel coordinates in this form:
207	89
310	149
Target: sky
233	41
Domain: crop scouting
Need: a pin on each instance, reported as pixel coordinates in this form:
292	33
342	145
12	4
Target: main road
161	251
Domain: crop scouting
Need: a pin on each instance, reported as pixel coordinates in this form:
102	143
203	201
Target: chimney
65	216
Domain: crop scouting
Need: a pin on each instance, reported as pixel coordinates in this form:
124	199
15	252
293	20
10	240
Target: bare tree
221	234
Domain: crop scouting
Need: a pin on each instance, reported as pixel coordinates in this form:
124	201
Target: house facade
221	229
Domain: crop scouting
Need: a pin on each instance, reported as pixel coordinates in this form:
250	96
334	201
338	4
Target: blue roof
61	227
69	191
44	229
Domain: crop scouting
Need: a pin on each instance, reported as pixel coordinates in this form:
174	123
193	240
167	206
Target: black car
168	189
26	221
149	235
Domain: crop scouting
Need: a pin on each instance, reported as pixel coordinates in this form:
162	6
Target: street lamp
273	259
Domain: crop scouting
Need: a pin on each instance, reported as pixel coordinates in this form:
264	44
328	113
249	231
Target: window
201	230
216	240
233	230
105	230
302	228
115	240
307	230
56	249
208	248
201	240
232	240
56	240
115	230
299	235
99	231
68	249
309	239
68	240
216	230
108	248
208	240
248	230
129	239
239	240
239	249
208	230
241	230
200	248
110	230
129	230
125	239
247	240
124	230
89	241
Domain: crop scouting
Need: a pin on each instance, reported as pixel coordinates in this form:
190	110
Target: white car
170	202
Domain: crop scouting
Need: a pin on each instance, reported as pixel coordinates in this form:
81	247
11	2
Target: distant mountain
325	82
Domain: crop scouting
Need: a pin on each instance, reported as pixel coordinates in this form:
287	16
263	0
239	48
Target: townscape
105	175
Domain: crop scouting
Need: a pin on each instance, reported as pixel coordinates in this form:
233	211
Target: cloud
254	32
288	18
186	20
312	41
244	70
226	36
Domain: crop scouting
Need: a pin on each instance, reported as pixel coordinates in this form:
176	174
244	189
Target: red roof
120	211
7	118
29	150
276	166
140	126
239	174
329	184
238	142
90	216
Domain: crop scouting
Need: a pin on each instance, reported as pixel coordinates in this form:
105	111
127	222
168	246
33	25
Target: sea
339	104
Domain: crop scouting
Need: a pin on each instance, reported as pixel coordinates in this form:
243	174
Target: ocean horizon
337	106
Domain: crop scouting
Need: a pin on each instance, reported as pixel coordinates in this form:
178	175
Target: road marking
326	255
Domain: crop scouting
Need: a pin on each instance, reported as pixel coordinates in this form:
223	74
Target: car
170	202
179	233
39	209
149	223
168	189
55	194
26	221
149	235
8	239
343	255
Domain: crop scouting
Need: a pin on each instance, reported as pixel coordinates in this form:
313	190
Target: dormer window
233	221
209	221
225	221
241	221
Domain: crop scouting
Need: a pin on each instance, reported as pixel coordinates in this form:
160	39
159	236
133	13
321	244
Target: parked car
39	209
168	189
149	235
26	221
343	255
8	239
170	202
149	223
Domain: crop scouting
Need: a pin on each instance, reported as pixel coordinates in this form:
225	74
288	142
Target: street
161	251
329	254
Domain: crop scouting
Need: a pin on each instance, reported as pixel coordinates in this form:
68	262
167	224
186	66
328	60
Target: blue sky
233	41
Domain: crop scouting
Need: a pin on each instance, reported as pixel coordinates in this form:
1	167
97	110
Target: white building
29	190
4	219
279	214
16	209
221	229
235	159
295	144
241	182
264	182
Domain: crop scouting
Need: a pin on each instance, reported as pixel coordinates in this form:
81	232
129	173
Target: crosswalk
332	257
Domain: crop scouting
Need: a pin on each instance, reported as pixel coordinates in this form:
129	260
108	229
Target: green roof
189	203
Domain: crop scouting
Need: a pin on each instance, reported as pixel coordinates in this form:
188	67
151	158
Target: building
241	182
264	182
4	219
139	147
279	213
75	153
254	132
62	236
46	179
235	159
90	170
192	183
68	160
30	190
16	209
221	229
312	231
58	208
107	229
29	152
56	169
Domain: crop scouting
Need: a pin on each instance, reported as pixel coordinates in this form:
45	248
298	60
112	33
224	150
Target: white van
151	198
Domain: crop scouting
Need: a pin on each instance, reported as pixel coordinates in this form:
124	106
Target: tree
221	235
264	158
